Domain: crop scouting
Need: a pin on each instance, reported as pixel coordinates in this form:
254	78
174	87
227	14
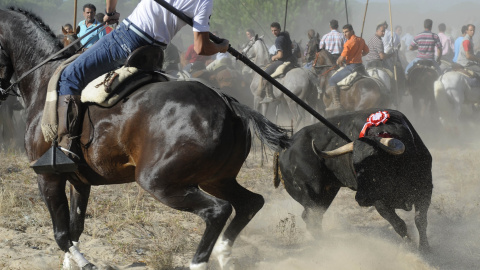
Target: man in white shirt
149	24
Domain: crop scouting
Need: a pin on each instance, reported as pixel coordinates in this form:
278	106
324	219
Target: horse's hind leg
213	211
52	189
246	205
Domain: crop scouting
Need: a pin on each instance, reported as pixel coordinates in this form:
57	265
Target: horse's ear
64	31
256	36
77	30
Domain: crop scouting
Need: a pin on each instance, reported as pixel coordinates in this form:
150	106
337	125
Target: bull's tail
273	136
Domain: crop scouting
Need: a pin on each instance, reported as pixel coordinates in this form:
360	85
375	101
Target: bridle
4	93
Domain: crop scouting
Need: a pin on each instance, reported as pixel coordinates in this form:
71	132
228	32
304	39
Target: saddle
423	64
348	81
283	69
140	68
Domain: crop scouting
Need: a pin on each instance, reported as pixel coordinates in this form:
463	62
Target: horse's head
70	36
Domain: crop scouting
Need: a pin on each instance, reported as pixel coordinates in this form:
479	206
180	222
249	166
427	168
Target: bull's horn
347	148
392	146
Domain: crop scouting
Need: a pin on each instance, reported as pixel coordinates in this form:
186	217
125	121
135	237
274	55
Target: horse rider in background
311	48
333	41
283	45
447	44
376	53
148	24
389	48
89	11
467	58
458	43
352	53
426	42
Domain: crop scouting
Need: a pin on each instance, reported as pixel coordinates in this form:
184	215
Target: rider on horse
376	52
283	45
333	41
467	57
353	51
149	24
426	42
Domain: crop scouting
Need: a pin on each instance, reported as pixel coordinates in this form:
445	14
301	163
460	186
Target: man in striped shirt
426	43
333	42
375	45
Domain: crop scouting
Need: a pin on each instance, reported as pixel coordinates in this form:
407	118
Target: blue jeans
342	74
410	65
109	53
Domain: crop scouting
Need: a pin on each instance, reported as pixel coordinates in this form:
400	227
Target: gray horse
300	81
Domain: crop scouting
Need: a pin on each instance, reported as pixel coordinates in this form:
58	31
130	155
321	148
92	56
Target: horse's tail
273	136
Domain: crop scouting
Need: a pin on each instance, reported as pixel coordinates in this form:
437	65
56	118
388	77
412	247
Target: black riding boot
70	116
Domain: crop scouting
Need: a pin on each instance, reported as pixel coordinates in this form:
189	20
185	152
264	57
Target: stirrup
267	100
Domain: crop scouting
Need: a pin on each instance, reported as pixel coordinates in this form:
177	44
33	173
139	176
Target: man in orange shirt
353	50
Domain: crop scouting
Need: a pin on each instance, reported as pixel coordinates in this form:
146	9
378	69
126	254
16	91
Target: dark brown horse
172	138
421	79
363	94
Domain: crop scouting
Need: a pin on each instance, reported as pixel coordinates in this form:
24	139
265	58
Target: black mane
38	21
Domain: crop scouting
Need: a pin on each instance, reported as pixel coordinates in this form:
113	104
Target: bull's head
376	164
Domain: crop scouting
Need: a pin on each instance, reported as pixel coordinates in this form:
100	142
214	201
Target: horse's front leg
52	189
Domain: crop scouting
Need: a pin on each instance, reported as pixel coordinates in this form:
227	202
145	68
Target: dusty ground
127	229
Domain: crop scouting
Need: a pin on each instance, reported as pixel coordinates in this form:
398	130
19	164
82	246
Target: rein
328	70
5	93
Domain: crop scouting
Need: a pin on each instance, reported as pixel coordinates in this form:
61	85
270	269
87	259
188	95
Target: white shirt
387	41
162	25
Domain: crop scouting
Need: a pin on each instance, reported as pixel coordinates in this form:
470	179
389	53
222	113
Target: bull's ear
342	150
64	31
77	30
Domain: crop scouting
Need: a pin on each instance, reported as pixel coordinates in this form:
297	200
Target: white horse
300	81
454	95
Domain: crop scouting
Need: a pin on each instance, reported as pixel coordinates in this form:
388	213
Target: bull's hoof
267	100
89	266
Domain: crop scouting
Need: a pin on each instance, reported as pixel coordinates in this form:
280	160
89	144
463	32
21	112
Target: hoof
89	266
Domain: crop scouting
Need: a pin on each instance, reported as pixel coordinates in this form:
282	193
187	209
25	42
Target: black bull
383	177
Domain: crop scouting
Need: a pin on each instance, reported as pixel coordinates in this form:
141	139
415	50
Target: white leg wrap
68	259
222	251
200	266
78	257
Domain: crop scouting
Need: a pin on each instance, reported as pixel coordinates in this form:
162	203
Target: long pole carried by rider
364	16
394	53
260	71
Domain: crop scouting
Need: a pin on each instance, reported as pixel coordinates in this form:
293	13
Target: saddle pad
281	69
347	81
98	90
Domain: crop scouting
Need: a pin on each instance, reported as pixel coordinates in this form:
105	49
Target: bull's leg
421	209
389	214
213	211
246	205
52	189
313	215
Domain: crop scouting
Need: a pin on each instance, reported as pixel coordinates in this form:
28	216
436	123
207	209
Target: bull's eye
374	180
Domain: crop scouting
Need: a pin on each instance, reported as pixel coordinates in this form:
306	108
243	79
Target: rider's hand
112	19
223	46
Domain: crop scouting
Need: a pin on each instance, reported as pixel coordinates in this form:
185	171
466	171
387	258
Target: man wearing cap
148	24
333	41
352	53
426	43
